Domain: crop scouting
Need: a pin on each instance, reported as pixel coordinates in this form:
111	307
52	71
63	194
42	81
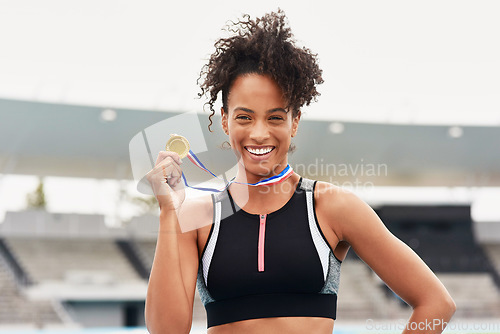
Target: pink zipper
262	234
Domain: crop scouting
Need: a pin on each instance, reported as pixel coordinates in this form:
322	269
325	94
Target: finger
176	182
171	167
162	155
164	171
172	173
160	172
167	167
178	170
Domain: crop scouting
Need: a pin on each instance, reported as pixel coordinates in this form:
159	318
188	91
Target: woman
279	246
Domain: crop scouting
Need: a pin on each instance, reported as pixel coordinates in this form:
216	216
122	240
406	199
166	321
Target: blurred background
408	119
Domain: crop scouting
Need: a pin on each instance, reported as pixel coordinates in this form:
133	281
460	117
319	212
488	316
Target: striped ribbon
275	179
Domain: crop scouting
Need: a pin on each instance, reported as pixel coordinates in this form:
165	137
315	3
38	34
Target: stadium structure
74	270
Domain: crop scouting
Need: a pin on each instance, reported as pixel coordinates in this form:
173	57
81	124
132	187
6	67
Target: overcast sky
387	61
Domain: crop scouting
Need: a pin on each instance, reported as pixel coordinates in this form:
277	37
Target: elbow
438	307
447	305
443	307
450	306
167	329
158	325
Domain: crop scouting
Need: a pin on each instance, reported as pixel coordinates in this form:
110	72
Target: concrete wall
40	223
486	232
143	227
107	314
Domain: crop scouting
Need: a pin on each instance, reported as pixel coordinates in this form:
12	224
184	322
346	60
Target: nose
259	132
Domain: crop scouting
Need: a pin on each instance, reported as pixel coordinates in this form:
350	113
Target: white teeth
259	151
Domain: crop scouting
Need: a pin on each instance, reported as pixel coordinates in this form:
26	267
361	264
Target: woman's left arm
355	222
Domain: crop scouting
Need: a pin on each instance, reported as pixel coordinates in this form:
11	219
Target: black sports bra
262	266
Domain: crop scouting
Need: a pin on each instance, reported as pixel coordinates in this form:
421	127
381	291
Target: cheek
286	143
235	136
284	138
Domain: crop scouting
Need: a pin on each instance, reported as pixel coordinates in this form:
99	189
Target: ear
224	120
295	124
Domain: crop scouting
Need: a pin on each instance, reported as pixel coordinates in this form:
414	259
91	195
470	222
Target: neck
265	184
263	196
244	176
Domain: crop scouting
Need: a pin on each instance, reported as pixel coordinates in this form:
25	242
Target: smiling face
259	128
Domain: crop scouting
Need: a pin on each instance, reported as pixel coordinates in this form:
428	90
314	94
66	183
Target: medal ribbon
275	179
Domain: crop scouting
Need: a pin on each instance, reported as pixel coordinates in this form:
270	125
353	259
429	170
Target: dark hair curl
264	46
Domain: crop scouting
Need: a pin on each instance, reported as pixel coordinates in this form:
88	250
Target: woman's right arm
172	281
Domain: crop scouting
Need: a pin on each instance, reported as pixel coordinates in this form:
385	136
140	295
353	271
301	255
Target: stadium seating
493	253
475	294
57	259
15	308
146	250
361	294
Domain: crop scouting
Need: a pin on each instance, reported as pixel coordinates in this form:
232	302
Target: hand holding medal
179	145
165	177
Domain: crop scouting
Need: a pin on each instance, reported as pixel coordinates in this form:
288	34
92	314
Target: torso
281	325
289	325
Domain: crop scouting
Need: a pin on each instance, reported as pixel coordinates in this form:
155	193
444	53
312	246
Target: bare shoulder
198	203
195	213
338	205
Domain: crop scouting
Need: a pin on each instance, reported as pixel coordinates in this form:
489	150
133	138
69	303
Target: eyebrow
268	112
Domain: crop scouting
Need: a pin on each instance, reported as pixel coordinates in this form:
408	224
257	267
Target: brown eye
243	117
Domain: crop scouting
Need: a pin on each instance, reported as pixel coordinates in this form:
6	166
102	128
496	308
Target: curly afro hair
263	46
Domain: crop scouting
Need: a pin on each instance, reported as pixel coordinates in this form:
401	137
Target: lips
259	152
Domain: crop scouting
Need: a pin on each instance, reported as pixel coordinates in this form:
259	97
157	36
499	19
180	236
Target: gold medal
178	144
